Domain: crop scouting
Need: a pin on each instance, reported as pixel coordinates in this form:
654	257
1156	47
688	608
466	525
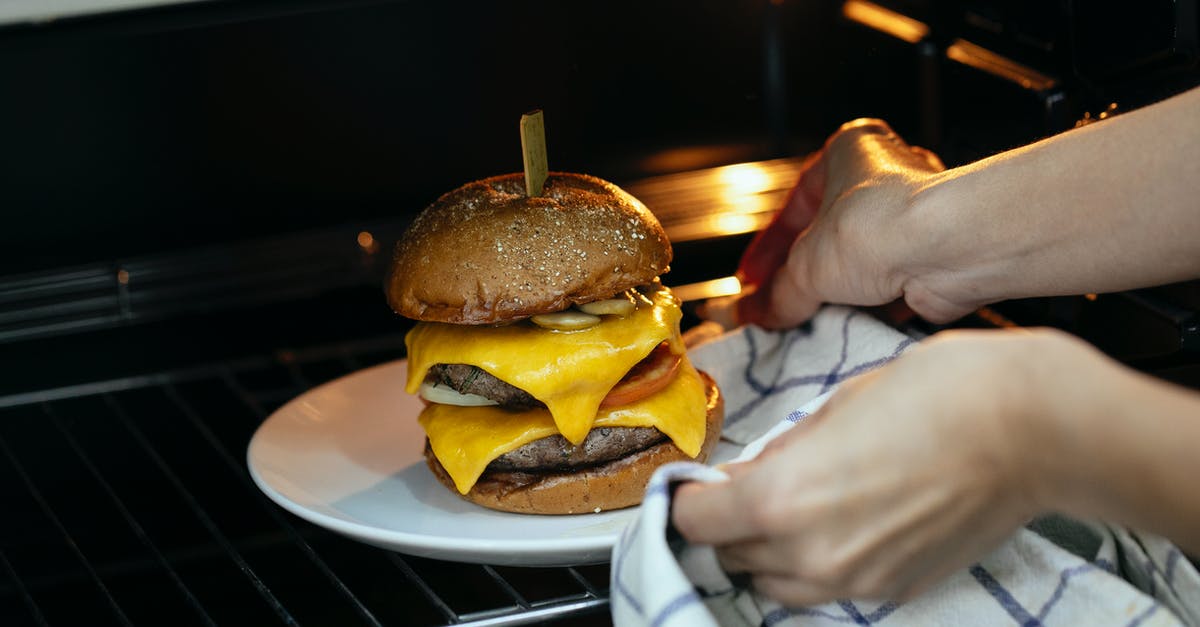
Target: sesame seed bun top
486	253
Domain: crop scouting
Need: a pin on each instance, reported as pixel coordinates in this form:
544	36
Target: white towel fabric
1054	572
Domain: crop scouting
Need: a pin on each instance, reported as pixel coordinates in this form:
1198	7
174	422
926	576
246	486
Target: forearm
1110	206
1119	446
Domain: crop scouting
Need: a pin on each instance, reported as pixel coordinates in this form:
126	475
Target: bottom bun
613	485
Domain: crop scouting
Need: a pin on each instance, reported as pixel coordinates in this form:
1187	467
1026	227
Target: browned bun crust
487	253
617	484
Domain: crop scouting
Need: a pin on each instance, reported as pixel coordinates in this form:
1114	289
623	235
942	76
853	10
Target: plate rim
446	547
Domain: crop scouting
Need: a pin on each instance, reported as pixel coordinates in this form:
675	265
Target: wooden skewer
533	147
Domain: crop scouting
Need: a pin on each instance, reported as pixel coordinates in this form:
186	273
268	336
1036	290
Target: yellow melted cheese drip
571	372
467	439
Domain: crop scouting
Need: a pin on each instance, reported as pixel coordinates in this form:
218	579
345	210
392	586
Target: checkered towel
1055	571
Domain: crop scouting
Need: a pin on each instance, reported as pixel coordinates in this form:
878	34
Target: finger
769	249
713	513
766	253
758	557
934	161
721	310
794	592
788	300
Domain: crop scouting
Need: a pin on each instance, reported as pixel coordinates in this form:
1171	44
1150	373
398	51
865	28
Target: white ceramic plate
347	456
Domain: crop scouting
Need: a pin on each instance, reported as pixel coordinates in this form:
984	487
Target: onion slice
448	396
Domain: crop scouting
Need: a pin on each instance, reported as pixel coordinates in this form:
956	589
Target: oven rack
128	502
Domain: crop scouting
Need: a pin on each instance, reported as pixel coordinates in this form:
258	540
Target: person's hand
843	235
907	474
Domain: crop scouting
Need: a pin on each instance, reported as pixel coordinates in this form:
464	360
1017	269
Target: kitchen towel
1056	571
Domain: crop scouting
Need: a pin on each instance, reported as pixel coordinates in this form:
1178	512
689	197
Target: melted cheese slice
571	372
467	439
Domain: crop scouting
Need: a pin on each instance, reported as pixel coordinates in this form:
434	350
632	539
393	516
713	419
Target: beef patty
553	452
466	379
602	444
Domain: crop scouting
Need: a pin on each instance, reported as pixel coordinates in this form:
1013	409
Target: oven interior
201	199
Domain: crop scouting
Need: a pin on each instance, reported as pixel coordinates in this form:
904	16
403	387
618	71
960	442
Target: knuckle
833	570
769	513
867	125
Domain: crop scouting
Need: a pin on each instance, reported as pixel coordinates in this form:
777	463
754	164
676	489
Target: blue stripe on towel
765	391
852	611
832	378
1172	560
676	604
1140	618
1063	579
619	559
875	363
796	416
1003	597
748	371
782	614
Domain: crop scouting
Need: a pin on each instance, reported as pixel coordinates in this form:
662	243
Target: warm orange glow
743	179
734	223
742	187
366	240
1090	297
995	317
980	58
123	277
724	286
728	200
885	20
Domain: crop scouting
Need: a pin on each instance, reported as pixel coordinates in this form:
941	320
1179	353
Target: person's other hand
907	474
842	236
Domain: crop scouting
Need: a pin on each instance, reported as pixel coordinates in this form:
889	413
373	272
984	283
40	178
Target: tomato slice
647	377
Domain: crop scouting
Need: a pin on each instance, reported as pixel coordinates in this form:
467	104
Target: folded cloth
1055	571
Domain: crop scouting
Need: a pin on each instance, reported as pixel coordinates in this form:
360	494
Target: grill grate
128	502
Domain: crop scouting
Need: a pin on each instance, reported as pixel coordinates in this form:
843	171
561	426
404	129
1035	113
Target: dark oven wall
196	158
199	199
133	133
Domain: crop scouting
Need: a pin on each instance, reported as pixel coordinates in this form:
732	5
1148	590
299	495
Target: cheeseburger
547	352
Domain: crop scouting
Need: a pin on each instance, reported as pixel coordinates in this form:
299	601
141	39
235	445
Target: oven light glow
744	179
732	223
367	242
716	288
980	58
885	20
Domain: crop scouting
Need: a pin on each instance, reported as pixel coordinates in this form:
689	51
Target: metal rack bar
535	615
506	587
199	511
305	547
244	395
62	529
20	587
130	520
587	585
329	351
102	387
424	587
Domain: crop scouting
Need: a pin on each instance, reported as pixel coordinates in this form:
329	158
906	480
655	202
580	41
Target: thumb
788	299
